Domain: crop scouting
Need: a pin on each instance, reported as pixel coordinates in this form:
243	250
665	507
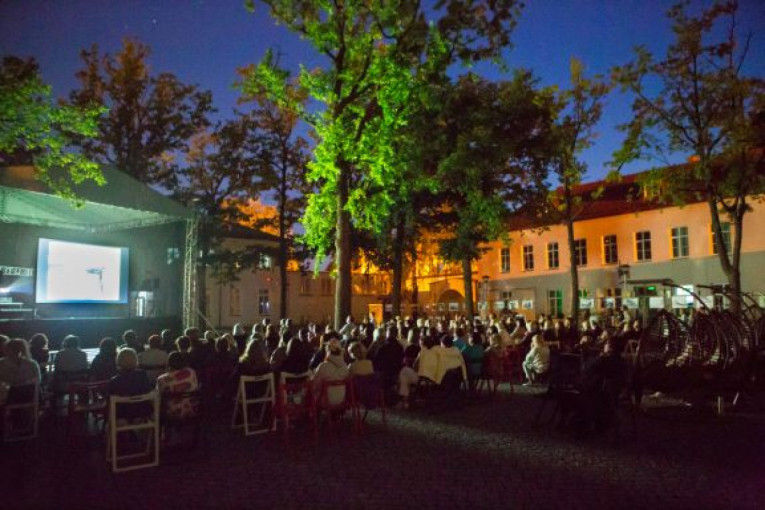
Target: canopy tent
122	203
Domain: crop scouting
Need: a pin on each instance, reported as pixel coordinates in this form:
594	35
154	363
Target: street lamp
485	297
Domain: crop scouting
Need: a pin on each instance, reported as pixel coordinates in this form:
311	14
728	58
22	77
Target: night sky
204	41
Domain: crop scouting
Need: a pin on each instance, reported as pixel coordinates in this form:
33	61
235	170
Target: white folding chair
22	406
148	424
264	399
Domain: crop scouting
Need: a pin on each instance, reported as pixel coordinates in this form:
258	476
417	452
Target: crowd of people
403	352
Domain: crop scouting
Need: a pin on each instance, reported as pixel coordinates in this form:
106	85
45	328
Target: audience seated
297	355
180	378
449	357
38	348
168	344
154	356
254	361
427	360
130	381
130	339
17	367
389	359
473	354
69	359
104	365
359	364
333	368
240	337
537	361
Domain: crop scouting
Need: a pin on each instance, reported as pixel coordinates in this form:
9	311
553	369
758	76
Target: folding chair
128	416
255	390
21	412
295	400
330	402
86	400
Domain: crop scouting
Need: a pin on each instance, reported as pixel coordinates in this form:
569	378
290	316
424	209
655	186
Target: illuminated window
643	245
725	228
679	242
264	262
234	301
528	258
264	302
580	252
504	260
610	250
553	261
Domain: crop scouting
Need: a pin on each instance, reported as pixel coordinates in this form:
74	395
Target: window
504	260
553	261
580	252
610	250
264	302
555	302
305	284
528	258
234	302
264	262
612	299
173	254
679	242
643	245
725	228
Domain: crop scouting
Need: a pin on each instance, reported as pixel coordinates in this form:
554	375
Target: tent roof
122	203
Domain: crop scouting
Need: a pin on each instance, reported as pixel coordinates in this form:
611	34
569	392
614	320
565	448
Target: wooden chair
87	399
255	391
126	415
21	412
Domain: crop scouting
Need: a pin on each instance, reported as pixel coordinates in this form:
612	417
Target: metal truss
190	274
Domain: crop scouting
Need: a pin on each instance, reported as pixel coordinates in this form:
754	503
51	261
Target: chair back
336	395
255	391
21	412
181	406
369	391
136	414
290	378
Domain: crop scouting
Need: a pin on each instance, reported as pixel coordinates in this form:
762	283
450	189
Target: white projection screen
70	272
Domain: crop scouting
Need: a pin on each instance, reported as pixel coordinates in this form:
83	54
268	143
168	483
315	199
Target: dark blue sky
204	41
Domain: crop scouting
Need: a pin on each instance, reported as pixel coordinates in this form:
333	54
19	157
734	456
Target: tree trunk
574	271
398	267
283	243
467	280
731	268
343	249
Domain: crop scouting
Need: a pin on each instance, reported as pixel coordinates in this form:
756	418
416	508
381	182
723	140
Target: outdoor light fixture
5	290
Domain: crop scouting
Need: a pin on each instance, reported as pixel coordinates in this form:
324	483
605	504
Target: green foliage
37	131
494	158
150	117
379	55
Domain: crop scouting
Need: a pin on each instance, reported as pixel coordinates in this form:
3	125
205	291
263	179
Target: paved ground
487	455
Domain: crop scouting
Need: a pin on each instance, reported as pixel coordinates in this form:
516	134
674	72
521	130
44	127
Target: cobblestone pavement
485	455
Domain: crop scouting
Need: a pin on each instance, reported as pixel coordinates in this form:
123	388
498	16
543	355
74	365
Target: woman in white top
537	361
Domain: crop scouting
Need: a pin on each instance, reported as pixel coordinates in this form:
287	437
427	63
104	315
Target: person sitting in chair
180	378
537	361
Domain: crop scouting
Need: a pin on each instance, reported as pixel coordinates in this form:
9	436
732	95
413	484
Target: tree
282	169
215	181
579	110
707	108
149	116
366	91
36	131
494	163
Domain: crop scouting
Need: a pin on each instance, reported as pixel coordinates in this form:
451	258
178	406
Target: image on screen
70	272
